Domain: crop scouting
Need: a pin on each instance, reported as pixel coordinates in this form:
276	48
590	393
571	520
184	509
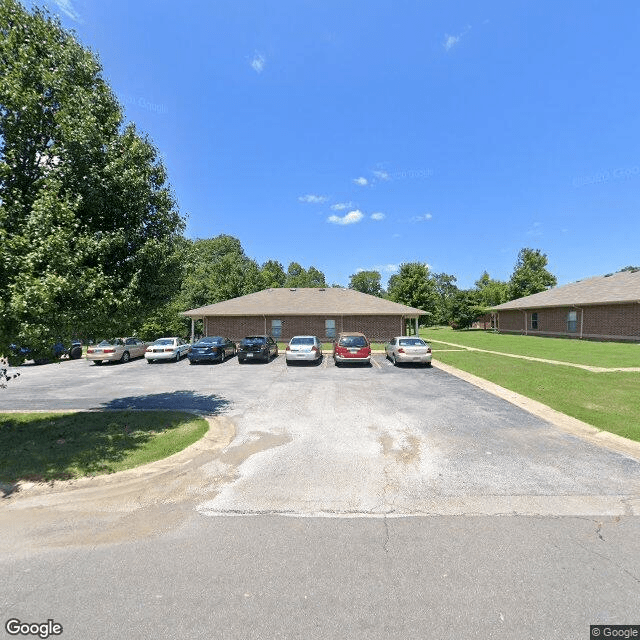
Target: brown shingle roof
615	288
305	302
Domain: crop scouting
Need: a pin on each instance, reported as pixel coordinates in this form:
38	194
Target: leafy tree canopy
491	292
530	274
414	287
217	269
446	289
88	227
367	282
298	276
272	274
465	309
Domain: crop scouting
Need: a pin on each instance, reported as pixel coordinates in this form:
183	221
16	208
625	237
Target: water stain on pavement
407	452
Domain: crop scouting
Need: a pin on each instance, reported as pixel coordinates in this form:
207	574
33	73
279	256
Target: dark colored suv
257	348
351	347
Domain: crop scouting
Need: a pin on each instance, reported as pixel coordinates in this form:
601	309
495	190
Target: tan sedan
117	349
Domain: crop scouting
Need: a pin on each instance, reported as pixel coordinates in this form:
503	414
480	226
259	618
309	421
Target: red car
351	347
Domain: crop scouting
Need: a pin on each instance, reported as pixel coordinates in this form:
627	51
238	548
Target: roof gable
620	287
305	301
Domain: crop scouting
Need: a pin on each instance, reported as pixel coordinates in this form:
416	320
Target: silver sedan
303	348
408	349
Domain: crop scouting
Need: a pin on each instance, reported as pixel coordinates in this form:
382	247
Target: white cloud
387	268
381	175
362	182
312	199
423	218
68	9
341	206
378	216
257	63
350	218
452	41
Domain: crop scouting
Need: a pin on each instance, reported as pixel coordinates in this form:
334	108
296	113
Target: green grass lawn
43	447
608	401
598	354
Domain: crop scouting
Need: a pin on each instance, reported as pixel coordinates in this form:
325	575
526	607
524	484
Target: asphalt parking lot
317	439
374	502
79	384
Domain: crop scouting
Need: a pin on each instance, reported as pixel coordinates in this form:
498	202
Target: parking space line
376	363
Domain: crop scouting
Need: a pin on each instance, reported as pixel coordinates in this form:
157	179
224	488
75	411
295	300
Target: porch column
193	324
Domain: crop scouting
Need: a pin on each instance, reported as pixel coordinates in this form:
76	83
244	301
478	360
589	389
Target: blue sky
360	135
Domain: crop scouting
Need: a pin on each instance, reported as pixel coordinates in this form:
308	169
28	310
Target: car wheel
223	356
125	357
395	362
149	361
97	362
75	353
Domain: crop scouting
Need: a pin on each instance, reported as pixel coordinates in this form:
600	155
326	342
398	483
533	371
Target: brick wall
376	328
600	322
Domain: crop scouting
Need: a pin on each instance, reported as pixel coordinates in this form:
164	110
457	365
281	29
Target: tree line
91	240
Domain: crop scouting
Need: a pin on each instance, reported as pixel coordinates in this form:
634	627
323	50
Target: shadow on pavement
173	401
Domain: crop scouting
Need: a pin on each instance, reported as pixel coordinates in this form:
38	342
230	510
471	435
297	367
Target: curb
564	422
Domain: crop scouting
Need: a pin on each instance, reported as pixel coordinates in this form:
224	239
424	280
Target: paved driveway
370	441
202	549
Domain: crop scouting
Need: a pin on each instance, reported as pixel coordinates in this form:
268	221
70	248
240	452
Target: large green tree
298	276
366	282
272	275
88	226
218	269
491	292
465	308
445	288
530	274
414	286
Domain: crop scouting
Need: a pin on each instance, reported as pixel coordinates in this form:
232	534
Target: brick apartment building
600	308
323	312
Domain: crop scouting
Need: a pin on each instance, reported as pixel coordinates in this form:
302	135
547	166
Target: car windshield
353	341
110	342
302	341
253	340
412	342
164	341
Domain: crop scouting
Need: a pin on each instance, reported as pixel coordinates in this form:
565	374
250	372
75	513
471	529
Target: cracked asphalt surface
369	502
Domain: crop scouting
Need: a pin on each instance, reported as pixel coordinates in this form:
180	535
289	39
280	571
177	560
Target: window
276	328
572	321
534	320
330	328
353	341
